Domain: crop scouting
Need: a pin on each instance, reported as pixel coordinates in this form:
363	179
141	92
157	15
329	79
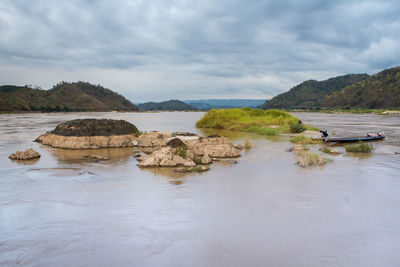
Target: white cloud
158	50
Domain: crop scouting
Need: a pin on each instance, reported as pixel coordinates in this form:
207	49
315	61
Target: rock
190	154
228	160
176	142
239	147
168	163
335	151
138	154
95	127
183	162
91	134
25	155
396	153
297	148
199	168
206	159
148	162
216	147
174	134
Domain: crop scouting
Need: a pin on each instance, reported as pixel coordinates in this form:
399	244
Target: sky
154	50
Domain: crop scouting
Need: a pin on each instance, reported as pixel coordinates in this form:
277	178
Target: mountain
381	90
310	94
206	104
171	105
79	96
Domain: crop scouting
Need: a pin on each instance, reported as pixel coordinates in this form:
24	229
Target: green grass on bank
359	148
303	140
267	122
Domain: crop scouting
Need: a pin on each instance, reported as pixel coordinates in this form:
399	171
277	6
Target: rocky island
188	151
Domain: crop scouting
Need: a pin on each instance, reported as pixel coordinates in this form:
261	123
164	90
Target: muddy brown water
262	211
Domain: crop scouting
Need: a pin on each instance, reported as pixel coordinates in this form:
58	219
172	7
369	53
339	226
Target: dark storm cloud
178	49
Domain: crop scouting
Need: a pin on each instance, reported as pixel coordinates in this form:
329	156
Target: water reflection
170	173
360	156
102	155
237	135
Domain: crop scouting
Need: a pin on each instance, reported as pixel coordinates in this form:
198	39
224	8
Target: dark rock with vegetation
79	96
171	105
91	134
95	127
310	94
381	90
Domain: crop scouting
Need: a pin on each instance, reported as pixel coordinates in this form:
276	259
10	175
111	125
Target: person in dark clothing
324	134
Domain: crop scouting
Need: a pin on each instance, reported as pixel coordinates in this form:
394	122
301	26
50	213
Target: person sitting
324	134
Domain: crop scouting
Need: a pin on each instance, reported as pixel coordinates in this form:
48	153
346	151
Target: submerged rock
25	155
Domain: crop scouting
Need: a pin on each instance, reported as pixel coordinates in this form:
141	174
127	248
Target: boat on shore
353	139
369	137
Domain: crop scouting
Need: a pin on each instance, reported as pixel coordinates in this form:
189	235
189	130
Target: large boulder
214	147
91	133
95	127
25	155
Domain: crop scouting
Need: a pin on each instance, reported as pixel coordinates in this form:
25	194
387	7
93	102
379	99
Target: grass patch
306	158
267	122
301	139
270	131
359	148
243	118
327	150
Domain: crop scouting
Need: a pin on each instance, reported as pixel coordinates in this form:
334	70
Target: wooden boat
353	139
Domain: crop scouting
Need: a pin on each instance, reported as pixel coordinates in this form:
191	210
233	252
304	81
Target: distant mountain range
171	105
381	90
206	104
310	94
79	96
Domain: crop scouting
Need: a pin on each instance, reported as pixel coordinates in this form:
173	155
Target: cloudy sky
176	49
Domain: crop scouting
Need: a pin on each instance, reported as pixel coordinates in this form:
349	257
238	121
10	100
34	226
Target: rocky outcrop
154	149
25	155
190	155
95	127
87	142
90	134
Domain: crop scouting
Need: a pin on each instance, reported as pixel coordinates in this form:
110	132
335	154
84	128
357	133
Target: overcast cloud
159	50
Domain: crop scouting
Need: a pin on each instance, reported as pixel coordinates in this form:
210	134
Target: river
262	211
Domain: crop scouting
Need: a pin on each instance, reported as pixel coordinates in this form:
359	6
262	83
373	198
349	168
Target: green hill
171	105
79	96
381	90
310	94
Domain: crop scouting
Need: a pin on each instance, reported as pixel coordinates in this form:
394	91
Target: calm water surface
263	211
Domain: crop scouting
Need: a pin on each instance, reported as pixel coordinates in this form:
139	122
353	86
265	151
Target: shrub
297	128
